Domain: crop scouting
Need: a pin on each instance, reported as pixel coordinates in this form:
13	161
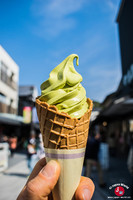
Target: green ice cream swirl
63	89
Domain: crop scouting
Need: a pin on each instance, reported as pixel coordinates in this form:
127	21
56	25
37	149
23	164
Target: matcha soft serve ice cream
63	109
64	90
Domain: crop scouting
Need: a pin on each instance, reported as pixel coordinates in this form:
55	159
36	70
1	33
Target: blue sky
39	34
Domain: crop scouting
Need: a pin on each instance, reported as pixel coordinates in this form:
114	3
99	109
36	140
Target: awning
120	107
6	118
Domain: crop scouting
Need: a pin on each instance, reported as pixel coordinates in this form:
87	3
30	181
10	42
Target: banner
27	114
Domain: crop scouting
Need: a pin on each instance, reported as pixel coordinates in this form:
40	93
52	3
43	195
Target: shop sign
27	114
128	77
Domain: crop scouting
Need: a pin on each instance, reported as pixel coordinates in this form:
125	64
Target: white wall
9	62
12	68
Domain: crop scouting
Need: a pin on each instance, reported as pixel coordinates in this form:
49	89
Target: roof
121	107
120	10
26	91
11	119
108	99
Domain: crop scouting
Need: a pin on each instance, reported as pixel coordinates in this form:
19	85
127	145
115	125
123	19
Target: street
13	179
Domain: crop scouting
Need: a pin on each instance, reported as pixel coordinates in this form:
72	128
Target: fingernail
86	194
50	169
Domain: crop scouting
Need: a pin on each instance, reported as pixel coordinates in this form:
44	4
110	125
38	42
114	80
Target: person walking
31	152
12	144
91	156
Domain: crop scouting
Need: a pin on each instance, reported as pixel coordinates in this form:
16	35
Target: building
10	122
116	117
125	25
9	77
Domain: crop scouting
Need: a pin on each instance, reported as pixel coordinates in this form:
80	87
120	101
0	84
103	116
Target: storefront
27	96
10	125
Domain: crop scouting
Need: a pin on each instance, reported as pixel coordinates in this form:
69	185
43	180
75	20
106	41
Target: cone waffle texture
59	130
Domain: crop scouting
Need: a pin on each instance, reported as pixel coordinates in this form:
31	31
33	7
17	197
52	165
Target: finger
85	189
41	186
38	167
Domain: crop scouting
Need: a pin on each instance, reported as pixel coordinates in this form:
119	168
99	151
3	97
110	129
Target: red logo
119	191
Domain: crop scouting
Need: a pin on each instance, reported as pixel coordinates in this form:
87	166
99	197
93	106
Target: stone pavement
13	180
18	157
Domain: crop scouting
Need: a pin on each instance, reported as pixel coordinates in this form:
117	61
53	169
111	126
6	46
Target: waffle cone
59	130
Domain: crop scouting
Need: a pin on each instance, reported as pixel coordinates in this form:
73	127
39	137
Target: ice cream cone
59	130
64	141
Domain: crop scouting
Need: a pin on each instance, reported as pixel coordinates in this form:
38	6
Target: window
2	98
4	76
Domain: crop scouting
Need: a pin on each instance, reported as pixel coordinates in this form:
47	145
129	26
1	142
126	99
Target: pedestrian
91	157
31	151
12	140
112	144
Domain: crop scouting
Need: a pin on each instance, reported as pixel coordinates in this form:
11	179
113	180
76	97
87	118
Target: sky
40	34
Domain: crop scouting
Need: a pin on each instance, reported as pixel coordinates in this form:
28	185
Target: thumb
42	185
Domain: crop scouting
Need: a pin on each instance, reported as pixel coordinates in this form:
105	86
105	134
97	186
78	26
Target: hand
43	179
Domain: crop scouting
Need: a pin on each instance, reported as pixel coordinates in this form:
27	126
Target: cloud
92	45
102	80
62	8
55	16
112	5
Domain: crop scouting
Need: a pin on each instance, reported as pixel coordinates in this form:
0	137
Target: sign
119	191
27	114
